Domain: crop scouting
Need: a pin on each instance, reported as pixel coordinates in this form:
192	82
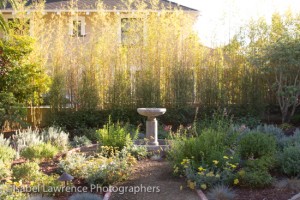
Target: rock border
107	196
295	197
201	195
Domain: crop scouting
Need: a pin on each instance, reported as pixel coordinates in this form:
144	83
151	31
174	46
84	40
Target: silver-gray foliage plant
221	192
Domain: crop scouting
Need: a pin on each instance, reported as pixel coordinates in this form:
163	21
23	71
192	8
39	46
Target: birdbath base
151	131
151	123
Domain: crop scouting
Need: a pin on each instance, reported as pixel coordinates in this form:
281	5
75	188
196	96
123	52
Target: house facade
110	53
80	13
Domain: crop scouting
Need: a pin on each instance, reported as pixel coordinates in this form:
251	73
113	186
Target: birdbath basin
151	123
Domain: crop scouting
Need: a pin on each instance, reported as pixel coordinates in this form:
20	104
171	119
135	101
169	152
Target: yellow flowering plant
204	176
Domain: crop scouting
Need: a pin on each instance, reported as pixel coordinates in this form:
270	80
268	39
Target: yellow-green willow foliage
145	58
150	61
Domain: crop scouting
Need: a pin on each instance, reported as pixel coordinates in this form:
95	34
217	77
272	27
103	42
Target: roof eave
93	10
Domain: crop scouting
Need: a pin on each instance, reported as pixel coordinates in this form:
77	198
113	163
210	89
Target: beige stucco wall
88	17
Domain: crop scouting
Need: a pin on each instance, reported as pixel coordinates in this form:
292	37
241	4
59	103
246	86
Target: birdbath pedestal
151	123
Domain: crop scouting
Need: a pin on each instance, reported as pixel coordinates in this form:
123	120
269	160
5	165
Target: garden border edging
201	195
295	197
107	196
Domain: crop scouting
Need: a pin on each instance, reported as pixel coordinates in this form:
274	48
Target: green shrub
7	154
79	141
212	174
73	164
256	178
108	171
210	145
182	148
28	171
99	169
219	120
221	192
11	109
4	169
90	119
114	135
256	145
290	160
56	137
7	193
263	163
39	152
48	182
139	152
248	120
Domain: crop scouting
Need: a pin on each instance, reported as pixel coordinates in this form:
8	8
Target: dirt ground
159	173
264	194
156	174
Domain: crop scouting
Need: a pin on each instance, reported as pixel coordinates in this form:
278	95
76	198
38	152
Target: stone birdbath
151	123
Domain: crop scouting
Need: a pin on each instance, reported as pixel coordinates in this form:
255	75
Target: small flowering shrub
255	177
114	135
48	182
7	154
26	137
56	137
4	169
290	160
29	138
79	141
43	151
75	164
26	171
139	152
114	169
209	175
255	145
208	146
106	168
8	194
257	151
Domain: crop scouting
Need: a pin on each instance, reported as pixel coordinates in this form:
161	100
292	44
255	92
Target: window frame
143	31
82	31
12	17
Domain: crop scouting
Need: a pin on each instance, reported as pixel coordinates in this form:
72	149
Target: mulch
264	194
158	173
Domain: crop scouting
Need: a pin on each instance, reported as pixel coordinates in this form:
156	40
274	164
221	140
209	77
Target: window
132	31
77	27
19	26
